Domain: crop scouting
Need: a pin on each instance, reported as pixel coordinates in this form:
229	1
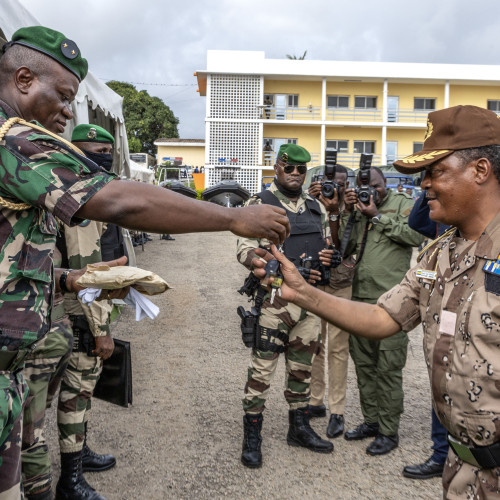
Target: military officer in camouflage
382	240
45	176
289	329
453	291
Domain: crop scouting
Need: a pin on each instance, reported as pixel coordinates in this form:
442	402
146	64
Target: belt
10	361
484	457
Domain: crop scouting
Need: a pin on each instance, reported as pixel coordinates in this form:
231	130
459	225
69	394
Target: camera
364	191
328	185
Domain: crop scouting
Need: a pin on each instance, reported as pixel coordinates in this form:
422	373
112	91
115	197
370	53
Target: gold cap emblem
430	128
92	133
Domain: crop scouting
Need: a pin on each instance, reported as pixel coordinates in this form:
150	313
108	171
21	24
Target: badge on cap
430	129
284	156
69	49
92	133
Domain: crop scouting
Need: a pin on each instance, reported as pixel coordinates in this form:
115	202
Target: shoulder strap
269	198
433	242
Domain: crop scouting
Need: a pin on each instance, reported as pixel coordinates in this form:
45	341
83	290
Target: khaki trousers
335	342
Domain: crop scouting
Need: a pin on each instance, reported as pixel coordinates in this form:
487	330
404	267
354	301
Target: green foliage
147	118
301	58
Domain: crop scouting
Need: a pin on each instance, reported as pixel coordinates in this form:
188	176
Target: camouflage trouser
13	394
462	480
379	369
303	345
43	370
73	408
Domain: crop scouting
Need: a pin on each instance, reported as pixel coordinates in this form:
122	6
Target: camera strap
347	236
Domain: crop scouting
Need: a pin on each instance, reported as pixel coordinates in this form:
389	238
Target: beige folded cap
111	278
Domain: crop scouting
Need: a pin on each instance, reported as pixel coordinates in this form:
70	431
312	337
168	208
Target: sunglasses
302	169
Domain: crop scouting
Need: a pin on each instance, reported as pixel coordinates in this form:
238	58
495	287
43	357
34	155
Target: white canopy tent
95	101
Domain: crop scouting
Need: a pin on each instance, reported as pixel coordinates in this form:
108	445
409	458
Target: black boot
300	433
72	484
251	455
92	461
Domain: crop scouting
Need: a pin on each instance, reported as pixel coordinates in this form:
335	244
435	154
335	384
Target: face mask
104	160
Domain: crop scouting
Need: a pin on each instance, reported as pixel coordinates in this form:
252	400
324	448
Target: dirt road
182	436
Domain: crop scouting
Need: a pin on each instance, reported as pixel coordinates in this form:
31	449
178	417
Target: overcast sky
158	44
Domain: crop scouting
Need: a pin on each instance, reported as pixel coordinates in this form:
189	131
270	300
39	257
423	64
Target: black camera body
328	185
364	191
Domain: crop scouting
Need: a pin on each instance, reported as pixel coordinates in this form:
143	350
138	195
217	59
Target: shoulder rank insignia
492	266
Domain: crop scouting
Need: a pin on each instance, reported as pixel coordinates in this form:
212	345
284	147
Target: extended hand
293	284
119	293
261	221
104	346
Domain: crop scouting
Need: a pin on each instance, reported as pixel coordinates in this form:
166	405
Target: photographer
283	327
334	341
382	241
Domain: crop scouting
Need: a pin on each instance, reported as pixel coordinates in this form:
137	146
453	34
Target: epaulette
4	129
429	245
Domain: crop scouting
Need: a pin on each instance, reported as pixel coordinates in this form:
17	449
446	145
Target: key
273	270
273	294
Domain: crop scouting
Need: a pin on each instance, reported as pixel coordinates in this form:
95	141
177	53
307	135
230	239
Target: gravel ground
182	436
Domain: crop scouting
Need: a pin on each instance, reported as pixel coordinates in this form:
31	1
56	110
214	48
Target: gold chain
4	129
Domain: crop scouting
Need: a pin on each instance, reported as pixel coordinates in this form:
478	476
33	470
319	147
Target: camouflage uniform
301	326
79	380
43	371
385	260
37	171
459	312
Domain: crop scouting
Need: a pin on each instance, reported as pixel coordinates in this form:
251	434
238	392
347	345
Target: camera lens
327	190
364	197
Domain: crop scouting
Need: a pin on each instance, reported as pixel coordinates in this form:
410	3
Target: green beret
91	133
293	154
53	44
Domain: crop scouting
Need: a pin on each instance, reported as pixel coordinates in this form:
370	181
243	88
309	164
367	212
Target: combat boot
300	433
72	484
92	461
251	455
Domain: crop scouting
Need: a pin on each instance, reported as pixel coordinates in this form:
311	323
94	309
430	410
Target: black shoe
317	411
93	462
167	237
251	455
72	484
335	426
362	431
300	433
382	444
428	469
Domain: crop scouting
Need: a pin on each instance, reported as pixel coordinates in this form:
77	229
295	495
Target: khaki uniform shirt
458	304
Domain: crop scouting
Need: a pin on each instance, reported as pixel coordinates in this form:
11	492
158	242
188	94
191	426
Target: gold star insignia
65	45
73	52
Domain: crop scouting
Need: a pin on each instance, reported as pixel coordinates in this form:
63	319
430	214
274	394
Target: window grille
234	144
246	177
235	97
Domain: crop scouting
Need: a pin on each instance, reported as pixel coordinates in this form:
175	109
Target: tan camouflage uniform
37	171
82	373
301	326
460	316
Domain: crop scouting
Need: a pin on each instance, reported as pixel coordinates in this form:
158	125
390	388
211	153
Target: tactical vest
306	233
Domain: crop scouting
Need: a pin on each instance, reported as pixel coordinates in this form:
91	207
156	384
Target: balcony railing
343	114
288	113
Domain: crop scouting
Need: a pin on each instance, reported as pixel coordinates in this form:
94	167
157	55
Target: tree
147	118
301	58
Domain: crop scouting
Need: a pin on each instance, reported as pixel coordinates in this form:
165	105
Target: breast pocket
35	259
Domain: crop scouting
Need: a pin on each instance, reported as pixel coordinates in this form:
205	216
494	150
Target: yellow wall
191	155
353	89
309	92
478	96
407	92
307	137
405	139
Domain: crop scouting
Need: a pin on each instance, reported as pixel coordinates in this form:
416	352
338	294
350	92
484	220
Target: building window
340	146
337	101
364	147
293	101
418	146
365	102
424	103
494	106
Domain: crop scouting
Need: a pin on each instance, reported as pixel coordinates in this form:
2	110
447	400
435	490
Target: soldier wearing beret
453	291
284	327
45	176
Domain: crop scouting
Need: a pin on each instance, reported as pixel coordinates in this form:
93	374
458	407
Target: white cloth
143	306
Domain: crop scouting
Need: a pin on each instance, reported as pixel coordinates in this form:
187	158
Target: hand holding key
273	271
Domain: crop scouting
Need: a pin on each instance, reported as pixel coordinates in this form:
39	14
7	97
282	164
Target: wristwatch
334	217
376	219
